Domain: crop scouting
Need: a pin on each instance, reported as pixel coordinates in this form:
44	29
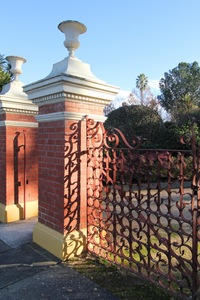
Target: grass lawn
118	282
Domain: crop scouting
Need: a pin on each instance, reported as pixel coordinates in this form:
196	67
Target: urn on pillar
71	65
72	30
15	86
16	64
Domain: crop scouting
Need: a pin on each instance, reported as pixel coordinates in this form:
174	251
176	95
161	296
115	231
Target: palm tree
141	84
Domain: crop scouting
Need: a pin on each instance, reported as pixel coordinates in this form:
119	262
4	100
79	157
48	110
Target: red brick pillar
64	98
18	151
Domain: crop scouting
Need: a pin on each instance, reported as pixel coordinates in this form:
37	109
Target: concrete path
29	272
17	233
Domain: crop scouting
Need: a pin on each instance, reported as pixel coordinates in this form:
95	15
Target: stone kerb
18	187
64	98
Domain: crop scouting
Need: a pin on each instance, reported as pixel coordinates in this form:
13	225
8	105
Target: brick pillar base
61	227
63	246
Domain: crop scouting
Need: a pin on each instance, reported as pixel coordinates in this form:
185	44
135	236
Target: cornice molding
52	97
60	116
18	123
17	105
63	96
18	111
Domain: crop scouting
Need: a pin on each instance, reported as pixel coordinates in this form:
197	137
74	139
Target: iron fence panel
143	209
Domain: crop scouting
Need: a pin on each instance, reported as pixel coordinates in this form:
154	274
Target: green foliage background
144	122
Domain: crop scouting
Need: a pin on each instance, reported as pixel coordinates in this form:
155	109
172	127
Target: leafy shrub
137	120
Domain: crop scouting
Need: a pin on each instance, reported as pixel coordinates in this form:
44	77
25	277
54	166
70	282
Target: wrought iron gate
143	209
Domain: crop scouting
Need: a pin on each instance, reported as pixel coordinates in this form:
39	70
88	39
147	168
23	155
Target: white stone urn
71	65
16	63
72	30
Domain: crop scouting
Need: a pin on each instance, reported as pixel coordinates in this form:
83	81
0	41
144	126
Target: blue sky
124	38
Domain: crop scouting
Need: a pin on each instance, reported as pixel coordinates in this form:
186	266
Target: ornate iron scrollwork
142	212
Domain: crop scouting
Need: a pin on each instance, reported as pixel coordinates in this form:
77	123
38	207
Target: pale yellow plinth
15	212
62	246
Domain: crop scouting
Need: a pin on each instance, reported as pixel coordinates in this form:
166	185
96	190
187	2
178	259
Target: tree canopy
180	89
180	96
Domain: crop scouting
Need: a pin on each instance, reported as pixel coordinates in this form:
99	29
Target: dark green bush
137	120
